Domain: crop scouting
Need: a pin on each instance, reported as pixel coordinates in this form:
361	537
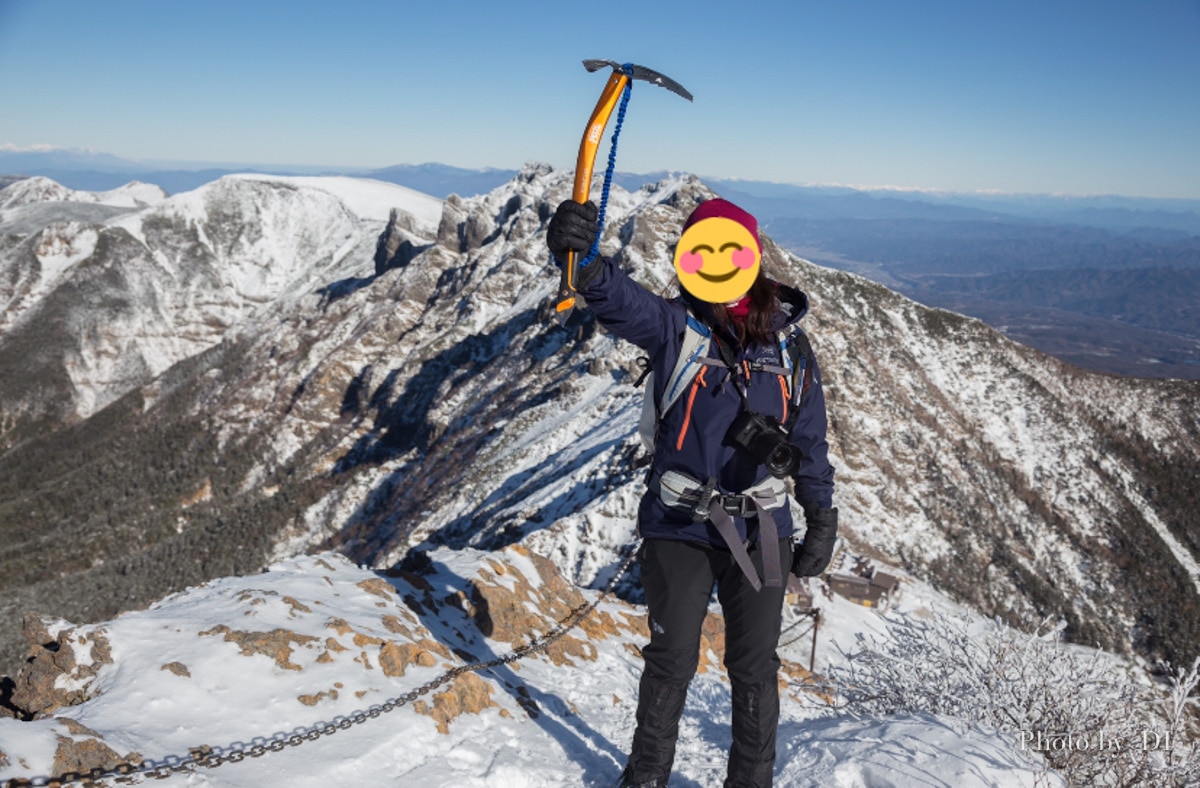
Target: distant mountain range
87	170
1106	282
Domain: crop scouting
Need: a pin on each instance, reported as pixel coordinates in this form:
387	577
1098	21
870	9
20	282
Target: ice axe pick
618	82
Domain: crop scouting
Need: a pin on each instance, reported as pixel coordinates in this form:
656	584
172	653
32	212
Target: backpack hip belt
680	491
700	499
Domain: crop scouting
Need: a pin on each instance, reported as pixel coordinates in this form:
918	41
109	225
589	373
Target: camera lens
765	439
784	460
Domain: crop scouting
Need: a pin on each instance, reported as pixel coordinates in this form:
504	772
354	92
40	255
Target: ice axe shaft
589	145
584	165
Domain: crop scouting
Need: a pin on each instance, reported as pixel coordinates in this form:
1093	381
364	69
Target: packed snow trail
240	663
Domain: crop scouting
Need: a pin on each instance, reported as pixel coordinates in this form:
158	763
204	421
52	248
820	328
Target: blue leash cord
594	252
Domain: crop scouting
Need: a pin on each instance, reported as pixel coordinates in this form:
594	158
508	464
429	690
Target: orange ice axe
618	85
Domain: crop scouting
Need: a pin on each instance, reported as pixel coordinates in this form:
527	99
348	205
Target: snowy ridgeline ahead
243	662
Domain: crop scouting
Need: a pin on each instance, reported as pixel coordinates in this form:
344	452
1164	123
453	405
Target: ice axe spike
590	144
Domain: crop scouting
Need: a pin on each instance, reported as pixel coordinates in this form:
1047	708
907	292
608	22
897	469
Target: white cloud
42	147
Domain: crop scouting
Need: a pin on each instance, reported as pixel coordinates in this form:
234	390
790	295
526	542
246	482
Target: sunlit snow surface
177	682
370	199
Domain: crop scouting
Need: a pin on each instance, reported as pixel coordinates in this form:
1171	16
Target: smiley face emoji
717	260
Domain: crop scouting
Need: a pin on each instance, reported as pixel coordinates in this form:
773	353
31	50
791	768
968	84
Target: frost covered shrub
1082	711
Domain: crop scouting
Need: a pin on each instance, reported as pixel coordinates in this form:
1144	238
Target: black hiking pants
678	578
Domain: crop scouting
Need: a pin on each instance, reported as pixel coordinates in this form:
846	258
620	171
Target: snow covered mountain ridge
120	297
263	368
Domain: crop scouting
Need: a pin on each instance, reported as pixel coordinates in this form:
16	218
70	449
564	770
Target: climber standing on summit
747	422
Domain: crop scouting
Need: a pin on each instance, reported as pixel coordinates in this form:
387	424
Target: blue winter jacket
691	433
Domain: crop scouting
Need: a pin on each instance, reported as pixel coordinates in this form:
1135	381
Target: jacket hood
793	305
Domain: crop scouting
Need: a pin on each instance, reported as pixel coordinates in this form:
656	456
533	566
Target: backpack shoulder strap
696	339
800	362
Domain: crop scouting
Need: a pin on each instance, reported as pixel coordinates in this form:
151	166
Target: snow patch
369	199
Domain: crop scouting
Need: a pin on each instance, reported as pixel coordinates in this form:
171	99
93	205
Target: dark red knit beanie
724	208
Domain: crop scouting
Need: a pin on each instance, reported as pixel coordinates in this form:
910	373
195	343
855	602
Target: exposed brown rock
525	611
255	597
393	624
567	646
413	579
35	631
468	694
297	607
712	643
274	644
313	700
199	496
340	626
178	668
394	657
509	607
362	640
36	692
379	587
599	624
82	755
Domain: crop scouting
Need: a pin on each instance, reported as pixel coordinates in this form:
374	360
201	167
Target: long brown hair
758	326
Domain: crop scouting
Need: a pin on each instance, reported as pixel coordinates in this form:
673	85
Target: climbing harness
679	491
207	757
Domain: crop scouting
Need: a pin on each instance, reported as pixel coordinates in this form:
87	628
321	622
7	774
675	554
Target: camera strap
801	382
726	354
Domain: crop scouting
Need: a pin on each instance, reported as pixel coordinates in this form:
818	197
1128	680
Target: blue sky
1084	97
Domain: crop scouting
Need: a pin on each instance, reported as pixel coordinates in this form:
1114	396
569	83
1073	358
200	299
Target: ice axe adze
618	85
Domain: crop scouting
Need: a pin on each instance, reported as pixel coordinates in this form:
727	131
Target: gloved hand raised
813	555
572	228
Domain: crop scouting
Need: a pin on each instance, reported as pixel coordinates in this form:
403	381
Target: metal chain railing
207	757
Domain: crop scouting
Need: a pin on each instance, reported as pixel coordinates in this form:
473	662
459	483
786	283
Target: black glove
572	228
813	555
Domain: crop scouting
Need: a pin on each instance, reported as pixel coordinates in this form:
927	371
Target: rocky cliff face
371	386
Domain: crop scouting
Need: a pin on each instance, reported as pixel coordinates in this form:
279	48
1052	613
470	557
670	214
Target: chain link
206	757
807	616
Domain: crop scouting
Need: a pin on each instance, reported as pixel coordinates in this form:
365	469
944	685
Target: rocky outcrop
61	668
450	229
399	243
81	749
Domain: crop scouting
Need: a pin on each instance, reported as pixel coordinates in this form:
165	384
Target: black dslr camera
767	441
